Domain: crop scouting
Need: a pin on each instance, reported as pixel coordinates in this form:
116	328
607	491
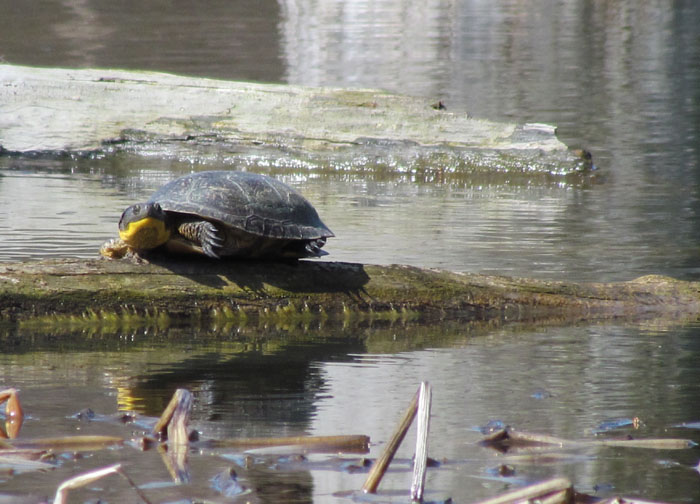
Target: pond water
621	79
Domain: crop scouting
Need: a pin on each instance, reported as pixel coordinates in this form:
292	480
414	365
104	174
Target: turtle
222	214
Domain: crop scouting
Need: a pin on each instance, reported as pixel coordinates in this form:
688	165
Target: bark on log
200	290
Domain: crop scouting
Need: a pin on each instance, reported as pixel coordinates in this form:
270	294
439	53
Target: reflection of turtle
223	213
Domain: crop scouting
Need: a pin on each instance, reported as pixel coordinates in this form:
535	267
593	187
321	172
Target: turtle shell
254	203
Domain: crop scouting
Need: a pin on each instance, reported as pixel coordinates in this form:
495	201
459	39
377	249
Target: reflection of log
201	289
104	291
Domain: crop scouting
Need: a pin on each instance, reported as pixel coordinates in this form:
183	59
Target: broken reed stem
174	424
180	418
380	466
420	464
160	428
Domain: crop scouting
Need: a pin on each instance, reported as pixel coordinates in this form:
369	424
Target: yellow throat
145	234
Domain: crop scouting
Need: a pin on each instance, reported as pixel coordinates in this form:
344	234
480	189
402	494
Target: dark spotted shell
257	204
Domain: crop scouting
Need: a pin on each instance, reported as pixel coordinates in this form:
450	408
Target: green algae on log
62	111
197	291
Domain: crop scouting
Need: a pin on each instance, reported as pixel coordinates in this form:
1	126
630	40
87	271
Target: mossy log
63	111
200	290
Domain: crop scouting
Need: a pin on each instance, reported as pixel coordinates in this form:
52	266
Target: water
619	78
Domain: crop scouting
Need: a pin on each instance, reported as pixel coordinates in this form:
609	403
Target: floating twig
71	443
506	438
81	480
651	444
315	444
420	463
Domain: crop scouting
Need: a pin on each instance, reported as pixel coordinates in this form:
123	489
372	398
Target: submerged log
63	111
102	290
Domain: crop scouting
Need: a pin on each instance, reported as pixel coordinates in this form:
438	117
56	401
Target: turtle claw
210	239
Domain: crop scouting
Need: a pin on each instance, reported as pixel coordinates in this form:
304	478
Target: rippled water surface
621	79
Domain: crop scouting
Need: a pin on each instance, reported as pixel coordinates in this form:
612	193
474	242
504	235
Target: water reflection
52	214
394	44
274	382
221	40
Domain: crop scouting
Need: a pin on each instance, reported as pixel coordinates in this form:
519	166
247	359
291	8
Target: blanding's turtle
223	213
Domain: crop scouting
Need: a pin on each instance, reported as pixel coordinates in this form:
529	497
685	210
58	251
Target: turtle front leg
204	234
115	248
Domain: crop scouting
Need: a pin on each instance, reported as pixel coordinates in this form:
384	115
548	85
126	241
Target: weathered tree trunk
312	290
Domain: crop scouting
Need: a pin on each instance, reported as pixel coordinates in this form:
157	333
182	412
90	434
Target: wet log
101	291
62	111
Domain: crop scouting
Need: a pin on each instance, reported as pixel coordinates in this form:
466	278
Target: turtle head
144	226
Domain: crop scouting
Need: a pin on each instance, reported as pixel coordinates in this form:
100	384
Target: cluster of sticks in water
172	432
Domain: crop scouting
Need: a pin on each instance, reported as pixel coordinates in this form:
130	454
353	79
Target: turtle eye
132	211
